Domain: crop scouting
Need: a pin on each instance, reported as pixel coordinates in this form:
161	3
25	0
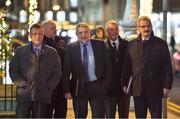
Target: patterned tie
85	62
37	51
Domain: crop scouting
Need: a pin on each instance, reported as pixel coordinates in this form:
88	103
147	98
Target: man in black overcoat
115	97
148	61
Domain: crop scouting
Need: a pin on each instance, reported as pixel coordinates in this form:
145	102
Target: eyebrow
145	25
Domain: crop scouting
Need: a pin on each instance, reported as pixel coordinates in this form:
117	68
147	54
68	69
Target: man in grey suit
36	70
86	62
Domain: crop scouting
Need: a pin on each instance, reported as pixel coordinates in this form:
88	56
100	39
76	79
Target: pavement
175	91
173	104
70	113
174	97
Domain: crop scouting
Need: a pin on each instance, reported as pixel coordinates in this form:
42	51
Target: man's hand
68	96
166	92
20	83
124	89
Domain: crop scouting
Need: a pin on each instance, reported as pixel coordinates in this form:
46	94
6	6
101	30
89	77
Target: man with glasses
36	70
148	61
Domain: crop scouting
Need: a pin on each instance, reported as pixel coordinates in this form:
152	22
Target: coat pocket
136	85
24	90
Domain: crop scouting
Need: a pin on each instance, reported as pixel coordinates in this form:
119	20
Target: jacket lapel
140	50
94	50
149	50
77	52
144	55
77	55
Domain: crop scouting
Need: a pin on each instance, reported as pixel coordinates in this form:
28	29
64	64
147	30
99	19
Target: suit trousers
31	109
142	104
59	107
94	94
120	102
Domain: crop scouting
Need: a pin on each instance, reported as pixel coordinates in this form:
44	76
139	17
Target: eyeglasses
145	26
37	34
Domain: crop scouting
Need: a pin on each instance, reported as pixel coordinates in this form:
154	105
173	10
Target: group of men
47	72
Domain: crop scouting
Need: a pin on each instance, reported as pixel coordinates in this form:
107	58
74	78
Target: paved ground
174	98
70	114
175	92
173	104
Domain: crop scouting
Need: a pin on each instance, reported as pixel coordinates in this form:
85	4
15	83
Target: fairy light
5	43
3	25
33	4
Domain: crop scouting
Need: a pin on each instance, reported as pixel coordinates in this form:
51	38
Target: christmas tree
5	45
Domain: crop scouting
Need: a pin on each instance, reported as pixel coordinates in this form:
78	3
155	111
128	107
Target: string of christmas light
33	4
5	44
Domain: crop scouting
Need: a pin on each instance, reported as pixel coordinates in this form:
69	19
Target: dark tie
85	63
115	50
114	45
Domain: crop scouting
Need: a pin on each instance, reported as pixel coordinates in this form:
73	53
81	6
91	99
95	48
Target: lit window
73	17
61	16
49	15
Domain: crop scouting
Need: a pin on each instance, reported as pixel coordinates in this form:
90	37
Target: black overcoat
150	65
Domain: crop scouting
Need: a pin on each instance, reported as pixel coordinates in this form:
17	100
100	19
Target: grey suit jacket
35	78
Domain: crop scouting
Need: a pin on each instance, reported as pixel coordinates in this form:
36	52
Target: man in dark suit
59	102
148	61
115	96
86	62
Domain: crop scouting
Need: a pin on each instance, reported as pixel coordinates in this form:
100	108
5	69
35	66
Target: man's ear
137	31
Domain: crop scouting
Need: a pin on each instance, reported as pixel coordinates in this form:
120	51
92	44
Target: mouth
147	31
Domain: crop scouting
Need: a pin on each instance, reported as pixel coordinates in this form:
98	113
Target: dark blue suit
82	92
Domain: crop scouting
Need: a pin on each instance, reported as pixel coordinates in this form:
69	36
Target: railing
7	101
7	97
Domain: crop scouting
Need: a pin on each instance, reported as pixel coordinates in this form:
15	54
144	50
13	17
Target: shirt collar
84	43
37	47
116	41
147	38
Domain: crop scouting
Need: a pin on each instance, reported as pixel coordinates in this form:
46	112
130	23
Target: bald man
59	103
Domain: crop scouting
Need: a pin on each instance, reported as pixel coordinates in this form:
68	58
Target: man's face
113	31
83	34
50	30
144	28
37	35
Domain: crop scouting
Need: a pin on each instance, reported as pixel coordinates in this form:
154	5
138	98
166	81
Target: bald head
49	28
